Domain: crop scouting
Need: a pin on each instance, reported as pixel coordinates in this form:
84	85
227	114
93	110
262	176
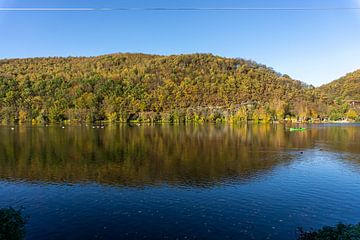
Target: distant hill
345	88
140	87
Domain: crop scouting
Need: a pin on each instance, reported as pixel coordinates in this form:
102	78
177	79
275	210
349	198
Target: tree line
153	88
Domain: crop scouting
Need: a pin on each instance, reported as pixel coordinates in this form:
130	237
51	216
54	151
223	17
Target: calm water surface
169	182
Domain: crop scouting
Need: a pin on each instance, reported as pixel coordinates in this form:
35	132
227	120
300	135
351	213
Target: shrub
340	231
12	224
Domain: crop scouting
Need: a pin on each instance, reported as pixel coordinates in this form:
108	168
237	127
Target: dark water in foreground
168	182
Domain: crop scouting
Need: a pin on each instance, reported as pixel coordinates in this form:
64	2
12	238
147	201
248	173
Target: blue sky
315	46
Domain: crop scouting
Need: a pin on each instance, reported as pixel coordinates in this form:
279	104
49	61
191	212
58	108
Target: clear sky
313	46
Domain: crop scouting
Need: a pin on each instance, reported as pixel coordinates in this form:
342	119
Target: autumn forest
177	88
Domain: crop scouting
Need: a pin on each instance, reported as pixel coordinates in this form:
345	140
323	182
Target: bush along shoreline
12	224
339	232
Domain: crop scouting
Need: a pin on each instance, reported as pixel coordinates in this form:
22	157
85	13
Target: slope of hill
345	88
124	87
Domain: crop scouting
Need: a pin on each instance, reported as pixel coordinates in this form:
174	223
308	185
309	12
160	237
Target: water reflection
146	155
338	137
180	182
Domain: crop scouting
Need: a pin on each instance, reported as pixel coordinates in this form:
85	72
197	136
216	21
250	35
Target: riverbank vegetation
152	88
340	231
12	224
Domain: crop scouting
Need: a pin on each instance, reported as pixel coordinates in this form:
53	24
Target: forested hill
345	88
138	87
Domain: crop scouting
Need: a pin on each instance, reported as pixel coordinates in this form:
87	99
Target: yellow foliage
352	114
111	117
22	116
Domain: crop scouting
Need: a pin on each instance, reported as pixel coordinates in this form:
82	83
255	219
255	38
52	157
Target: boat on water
297	129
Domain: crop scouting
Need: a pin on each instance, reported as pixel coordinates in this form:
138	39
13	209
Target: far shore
139	123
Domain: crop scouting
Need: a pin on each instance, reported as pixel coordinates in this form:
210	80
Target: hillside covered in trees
345	88
152	88
343	96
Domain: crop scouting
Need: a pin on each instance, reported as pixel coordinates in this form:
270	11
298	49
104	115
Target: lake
180	182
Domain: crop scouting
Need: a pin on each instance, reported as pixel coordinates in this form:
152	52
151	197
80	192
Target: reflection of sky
318	185
313	191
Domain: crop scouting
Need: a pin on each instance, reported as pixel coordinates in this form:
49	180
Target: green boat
297	129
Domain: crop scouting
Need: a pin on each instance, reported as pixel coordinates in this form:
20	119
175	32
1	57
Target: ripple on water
198	183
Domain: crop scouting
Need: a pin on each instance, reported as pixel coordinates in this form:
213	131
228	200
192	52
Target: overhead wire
238	9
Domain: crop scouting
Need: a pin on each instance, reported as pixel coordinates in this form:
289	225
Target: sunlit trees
352	114
150	88
345	88
86	107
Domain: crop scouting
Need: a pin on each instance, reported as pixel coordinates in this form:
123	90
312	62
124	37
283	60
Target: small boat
297	129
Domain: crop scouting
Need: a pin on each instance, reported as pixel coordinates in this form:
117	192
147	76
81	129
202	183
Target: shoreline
100	124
